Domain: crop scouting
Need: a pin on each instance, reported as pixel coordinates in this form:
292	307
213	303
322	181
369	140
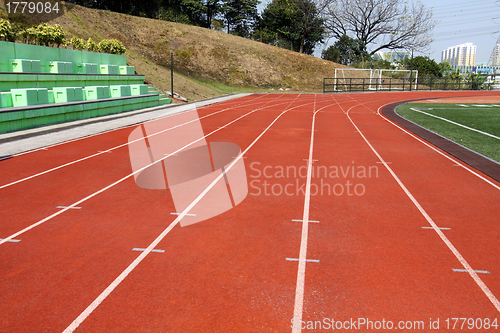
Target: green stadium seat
138	89
6	100
108	69
67	94
86	68
29	96
26	66
127	70
96	92
61	67
120	91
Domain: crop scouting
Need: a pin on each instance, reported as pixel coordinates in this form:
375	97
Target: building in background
460	55
495	55
392	56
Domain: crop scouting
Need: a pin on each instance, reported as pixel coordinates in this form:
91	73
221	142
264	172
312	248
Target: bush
78	43
112	46
92	46
45	35
6	31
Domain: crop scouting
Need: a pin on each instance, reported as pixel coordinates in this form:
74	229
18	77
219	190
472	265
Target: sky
459	21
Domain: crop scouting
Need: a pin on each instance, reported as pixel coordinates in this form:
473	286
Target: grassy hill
207	63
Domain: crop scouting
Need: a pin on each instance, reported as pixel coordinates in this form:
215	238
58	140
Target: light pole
172	74
411	68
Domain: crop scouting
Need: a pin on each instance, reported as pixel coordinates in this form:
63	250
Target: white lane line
301	271
435	149
117	147
458	124
181	213
297	259
433	228
464	270
11	240
310	221
448	243
74	325
121	180
141	249
68	207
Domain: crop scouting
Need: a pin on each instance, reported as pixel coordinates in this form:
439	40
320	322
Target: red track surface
230	273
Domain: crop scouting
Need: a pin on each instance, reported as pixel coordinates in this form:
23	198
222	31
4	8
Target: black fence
331	85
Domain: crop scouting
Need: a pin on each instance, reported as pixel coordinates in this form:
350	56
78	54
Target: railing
394	84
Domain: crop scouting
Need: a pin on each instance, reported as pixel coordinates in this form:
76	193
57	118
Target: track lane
90	147
231	277
53	195
230	287
72	250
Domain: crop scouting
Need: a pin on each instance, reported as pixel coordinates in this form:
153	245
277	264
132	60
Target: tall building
392	56
495	55
460	55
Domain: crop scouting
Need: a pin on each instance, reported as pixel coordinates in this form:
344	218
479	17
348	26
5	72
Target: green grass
486	119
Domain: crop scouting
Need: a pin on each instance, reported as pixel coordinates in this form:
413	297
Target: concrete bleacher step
164	101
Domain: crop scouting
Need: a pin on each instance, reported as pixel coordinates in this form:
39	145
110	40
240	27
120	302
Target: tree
6	31
294	24
445	67
346	51
239	16
385	24
424	65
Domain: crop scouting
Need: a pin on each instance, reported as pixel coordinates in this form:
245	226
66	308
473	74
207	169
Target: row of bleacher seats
38	96
66	67
41	85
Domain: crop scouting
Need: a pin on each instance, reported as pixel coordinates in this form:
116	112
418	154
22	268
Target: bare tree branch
382	24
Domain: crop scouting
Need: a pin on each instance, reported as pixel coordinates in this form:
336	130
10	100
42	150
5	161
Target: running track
379	254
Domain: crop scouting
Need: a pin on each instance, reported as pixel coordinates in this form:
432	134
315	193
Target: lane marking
310	221
141	249
385	162
126	177
464	270
181	213
119	146
439	228
448	243
74	325
104	151
69	207
458	124
297	259
11	240
301	270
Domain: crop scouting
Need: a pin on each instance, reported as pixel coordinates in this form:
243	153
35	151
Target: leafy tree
445	67
385	24
45	35
112	46
424	65
6	31
91	45
239	16
294	24
477	81
346	51
78	43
